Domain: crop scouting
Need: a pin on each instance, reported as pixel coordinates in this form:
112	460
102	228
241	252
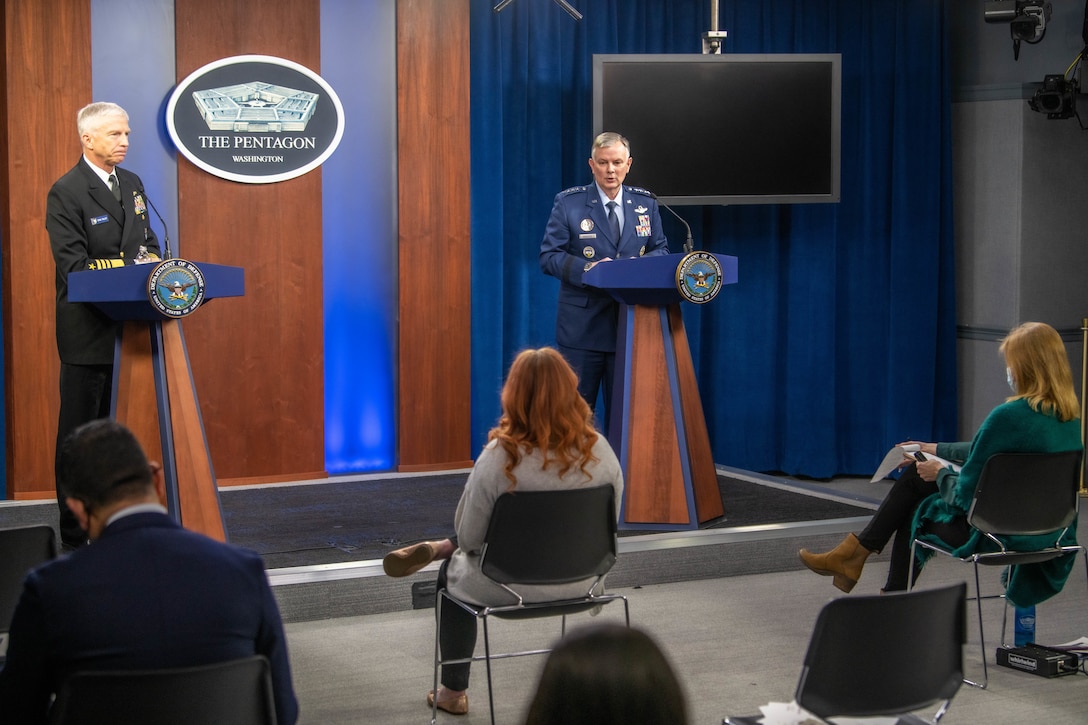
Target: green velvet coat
1011	427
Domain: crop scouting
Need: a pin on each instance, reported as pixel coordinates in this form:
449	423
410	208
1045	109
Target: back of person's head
542	409
608	674
91	115
101	462
1039	366
541	392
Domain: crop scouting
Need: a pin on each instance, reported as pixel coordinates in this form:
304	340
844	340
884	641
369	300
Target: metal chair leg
981	637
437	654
978	606
1005	624
484	617
1005	620
487	662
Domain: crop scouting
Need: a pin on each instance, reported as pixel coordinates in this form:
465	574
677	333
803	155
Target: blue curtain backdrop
839	339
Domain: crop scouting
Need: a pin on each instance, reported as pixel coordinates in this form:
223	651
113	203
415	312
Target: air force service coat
577	235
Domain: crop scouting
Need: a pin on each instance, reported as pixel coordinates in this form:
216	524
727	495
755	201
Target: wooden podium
657	426
153	392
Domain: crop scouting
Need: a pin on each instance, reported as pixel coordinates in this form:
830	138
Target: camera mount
1027	19
571	10
1057	98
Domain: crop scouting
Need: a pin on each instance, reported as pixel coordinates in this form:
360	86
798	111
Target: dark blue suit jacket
146	594
578	234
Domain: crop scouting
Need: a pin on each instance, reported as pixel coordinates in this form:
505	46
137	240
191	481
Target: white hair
91	116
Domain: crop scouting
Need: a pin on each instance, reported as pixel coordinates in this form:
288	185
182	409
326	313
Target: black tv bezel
834	59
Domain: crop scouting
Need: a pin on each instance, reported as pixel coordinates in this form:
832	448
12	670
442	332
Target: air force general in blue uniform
581	234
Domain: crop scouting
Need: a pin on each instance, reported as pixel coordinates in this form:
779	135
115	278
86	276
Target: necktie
613	221
115	187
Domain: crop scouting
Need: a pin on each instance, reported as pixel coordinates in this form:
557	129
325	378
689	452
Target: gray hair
606	139
92	115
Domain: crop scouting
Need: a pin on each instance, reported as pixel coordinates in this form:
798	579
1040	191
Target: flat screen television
726	129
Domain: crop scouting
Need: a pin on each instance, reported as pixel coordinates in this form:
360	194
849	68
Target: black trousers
895	518
457	638
85	393
596	372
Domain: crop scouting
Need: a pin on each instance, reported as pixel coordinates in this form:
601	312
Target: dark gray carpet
350	521
342	521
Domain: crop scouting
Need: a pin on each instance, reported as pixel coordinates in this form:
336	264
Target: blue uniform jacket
577	235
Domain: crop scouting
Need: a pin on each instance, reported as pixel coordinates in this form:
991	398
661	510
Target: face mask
1008	377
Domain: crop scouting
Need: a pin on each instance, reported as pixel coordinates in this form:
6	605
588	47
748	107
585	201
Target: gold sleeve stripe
105	263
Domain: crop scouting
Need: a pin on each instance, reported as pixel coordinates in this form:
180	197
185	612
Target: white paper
892	460
896	455
786	713
790	713
1080	644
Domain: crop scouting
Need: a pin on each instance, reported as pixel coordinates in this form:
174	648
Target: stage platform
323	540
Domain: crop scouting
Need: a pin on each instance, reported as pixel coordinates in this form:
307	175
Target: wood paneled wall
434	239
257	361
46	79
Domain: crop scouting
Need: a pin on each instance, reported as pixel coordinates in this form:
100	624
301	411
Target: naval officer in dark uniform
599	222
96	216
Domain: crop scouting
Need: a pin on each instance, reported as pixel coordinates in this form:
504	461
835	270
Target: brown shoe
410	559
454	705
844	562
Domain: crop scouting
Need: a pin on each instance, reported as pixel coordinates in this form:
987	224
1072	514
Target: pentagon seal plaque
699	277
175	287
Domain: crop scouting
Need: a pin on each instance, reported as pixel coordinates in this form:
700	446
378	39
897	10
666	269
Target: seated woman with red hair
544	440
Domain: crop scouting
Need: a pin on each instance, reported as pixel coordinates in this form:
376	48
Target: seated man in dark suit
146	594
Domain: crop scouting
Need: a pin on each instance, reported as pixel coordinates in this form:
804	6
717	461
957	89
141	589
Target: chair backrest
23	548
1026	493
885	655
238	692
551	537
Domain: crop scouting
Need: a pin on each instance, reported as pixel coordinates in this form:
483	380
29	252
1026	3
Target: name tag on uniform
100	219
587	236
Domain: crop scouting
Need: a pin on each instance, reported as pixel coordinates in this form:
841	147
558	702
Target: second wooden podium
657	427
153	391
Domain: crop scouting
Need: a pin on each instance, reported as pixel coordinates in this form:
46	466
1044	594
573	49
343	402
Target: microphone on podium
166	254
689	245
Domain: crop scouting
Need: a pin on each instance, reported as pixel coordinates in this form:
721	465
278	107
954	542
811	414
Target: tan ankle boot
844	562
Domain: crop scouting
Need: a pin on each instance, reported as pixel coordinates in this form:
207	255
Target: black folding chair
238	692
882	656
23	548
540	538
1018	494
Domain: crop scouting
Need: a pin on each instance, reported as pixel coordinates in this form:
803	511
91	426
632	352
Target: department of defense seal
699	277
175	287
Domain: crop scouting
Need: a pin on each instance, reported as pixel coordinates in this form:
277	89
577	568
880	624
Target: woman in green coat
930	500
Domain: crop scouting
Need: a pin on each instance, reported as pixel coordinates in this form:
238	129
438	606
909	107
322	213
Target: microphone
689	246
166	254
